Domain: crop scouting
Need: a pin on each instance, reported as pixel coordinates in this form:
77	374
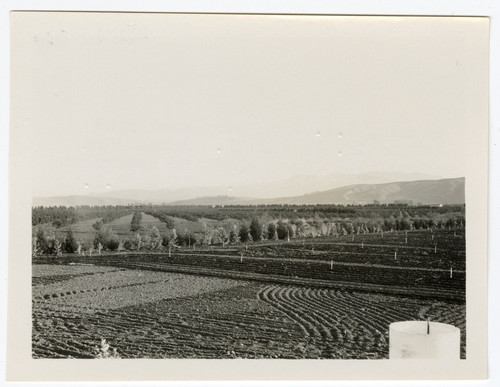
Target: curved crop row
352	323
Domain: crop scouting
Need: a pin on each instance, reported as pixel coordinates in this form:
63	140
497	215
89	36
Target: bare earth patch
147	314
113	289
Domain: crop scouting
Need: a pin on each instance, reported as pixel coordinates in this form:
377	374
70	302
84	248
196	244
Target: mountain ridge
441	191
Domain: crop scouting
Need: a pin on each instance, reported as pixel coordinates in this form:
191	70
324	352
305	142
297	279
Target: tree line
63	216
60	216
262	223
230	232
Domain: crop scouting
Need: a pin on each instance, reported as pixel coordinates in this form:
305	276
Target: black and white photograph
251	187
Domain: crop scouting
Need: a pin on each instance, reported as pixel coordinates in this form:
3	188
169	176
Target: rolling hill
444	191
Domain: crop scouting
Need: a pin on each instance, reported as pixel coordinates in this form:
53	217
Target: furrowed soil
160	314
417	264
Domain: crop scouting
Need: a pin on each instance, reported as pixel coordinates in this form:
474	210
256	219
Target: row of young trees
55	216
291	211
227	233
259	229
422	216
50	244
60	216
233	231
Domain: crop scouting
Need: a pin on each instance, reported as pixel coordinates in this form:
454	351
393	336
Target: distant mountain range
292	186
441	191
444	191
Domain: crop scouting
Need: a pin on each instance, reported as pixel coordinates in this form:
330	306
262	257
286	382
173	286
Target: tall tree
42	245
234	235
135	224
70	243
156	238
271	232
244	233
256	230
282	230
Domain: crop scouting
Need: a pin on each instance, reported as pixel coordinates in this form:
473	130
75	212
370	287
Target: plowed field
158	314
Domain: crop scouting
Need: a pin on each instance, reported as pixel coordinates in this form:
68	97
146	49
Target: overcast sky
156	101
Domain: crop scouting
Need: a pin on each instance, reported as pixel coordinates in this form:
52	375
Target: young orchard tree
263	235
169	239
53	245
135	224
256	230
234	235
57	247
156	239
272	233
107	239
165	240
333	229
128	245
146	240
244	233
282	230
102	236
70	243
208	236
42	243
223	235
113	244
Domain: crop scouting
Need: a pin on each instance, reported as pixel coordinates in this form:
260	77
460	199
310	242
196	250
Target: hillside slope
444	191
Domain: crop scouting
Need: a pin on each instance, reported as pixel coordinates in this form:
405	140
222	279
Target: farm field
84	232
326	297
440	249
148	314
417	269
